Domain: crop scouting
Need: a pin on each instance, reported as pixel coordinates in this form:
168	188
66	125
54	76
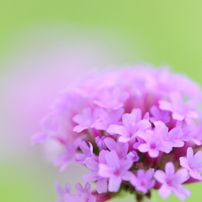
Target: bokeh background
46	45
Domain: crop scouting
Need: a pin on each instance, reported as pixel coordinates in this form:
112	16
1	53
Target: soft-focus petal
164	192
117	129
169	168
101	185
104	170
114	184
160	176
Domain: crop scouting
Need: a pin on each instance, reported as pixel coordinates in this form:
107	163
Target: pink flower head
126	127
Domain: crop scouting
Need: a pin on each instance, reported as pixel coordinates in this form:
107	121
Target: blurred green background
121	32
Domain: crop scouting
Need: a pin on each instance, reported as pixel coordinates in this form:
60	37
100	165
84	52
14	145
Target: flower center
153	145
169	182
117	172
143	183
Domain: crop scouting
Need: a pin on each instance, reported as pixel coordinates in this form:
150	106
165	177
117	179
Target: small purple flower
195	134
171	182
179	109
93	176
108	117
111	98
132	124
64	193
84	193
175	137
144	181
69	155
115	170
159	115
87	153
193	163
154	142
120	148
86	119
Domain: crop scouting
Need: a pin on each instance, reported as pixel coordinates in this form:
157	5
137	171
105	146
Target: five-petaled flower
171	181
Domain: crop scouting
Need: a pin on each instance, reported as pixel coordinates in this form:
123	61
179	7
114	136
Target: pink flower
172	182
111	98
193	163
87	153
154	142
69	155
101	182
132	124
83	193
180	110
159	115
115	170
86	119
144	181
108	117
120	148
125	127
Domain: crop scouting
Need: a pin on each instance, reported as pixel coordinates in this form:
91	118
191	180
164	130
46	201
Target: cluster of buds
135	129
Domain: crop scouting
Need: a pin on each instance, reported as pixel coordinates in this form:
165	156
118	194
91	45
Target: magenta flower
172	182
179	109
132	124
115	170
193	163
87	153
144	181
93	176
64	193
154	141
120	148
86	119
108	117
159	115
69	155
111	98
83	193
126	127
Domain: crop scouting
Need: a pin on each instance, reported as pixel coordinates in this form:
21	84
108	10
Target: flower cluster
135	130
